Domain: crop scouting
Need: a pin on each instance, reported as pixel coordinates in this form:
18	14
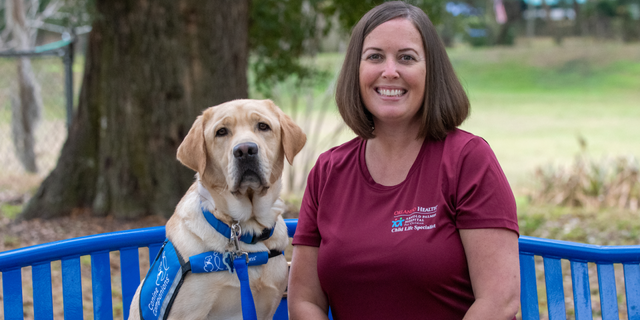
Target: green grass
573	75
49	73
533	109
9	210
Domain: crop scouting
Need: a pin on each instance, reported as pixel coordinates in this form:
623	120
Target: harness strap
248	306
216	261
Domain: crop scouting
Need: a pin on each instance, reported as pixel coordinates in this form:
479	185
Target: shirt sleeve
484	197
307	232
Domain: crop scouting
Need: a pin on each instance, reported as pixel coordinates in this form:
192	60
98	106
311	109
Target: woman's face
393	72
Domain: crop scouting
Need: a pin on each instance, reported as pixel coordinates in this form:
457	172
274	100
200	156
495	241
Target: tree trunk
506	32
151	68
26	105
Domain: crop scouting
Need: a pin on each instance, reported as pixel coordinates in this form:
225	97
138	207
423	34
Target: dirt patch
37	231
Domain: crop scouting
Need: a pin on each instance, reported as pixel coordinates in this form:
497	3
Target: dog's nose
245	150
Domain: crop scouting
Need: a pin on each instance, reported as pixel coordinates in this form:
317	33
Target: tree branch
51	9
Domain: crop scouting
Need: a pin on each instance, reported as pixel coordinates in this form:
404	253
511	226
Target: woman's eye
406	57
222	132
375	56
263	126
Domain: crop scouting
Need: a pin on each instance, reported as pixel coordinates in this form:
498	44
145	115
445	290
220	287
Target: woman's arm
494	267
305	297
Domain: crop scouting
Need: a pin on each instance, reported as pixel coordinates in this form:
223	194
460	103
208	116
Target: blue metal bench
127	243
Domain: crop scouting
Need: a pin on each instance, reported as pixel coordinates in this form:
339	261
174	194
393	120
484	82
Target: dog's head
240	146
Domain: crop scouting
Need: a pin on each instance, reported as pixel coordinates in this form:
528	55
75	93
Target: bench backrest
581	258
538	258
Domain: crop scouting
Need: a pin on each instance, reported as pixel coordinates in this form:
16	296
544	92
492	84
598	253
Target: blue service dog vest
165	277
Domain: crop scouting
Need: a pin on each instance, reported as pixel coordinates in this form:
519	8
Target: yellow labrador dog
238	150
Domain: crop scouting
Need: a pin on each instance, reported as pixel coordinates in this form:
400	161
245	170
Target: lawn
533	102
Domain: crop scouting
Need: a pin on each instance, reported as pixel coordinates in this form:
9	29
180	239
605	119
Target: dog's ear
293	139
192	152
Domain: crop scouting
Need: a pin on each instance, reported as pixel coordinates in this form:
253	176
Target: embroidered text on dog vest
162	280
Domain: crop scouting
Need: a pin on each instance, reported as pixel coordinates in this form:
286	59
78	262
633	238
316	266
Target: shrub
611	182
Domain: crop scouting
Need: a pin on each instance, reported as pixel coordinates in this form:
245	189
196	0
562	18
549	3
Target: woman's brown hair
445	105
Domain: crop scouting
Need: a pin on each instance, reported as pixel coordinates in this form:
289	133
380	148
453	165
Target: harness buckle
240	254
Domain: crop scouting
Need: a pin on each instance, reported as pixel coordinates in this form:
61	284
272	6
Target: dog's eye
263	126
221	132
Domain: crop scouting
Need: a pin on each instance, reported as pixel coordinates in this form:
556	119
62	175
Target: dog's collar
225	230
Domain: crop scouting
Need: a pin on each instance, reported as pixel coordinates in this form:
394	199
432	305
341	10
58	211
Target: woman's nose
390	69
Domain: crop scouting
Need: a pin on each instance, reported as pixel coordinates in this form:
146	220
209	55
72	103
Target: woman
414	218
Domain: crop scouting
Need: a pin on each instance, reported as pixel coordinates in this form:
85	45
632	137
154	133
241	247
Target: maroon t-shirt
394	252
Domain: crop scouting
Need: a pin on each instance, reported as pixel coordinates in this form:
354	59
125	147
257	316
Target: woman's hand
305	297
494	267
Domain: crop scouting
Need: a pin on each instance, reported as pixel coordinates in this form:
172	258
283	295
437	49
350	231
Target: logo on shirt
414	219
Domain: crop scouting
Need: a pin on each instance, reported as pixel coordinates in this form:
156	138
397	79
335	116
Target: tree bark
151	68
26	105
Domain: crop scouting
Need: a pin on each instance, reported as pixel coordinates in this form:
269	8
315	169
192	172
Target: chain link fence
21	171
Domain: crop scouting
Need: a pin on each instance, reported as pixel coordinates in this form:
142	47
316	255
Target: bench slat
528	288
101	285
581	291
12	294
608	294
130	276
632	288
555	288
42	292
282	313
72	288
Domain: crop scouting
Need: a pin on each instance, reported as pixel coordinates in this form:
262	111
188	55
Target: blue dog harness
167	273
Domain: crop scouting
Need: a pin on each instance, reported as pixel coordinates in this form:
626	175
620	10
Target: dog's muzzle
247	162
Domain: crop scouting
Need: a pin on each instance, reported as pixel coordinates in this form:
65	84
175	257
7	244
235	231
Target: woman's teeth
391	92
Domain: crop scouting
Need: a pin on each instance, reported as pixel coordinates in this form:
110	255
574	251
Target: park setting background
554	87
